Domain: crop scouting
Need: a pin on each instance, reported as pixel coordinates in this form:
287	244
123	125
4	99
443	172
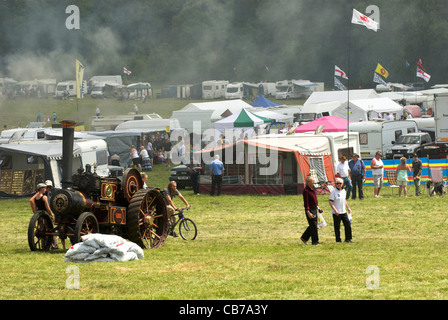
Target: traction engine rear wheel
147	219
39	231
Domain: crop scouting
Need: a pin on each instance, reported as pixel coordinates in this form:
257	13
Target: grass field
248	247
21	111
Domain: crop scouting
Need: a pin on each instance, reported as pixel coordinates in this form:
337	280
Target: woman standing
402	176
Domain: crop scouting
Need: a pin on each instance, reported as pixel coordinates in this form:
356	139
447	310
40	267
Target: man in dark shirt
417	174
311	208
358	174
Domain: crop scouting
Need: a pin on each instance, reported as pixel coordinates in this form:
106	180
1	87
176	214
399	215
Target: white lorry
439	148
379	135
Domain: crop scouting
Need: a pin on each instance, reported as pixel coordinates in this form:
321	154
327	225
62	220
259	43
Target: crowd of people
353	174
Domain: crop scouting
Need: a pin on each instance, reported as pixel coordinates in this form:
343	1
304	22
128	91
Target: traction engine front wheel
86	224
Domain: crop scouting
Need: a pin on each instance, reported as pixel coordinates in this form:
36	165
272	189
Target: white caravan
378	135
66	89
214	89
295	89
234	91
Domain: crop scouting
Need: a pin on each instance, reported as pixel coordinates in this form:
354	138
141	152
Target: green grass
248	247
22	111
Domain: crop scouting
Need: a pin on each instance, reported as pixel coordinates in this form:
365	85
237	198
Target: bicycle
187	227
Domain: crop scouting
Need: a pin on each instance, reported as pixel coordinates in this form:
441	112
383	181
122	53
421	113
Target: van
110	79
105	90
379	135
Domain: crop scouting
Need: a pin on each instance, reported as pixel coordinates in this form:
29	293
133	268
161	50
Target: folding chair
391	176
437	177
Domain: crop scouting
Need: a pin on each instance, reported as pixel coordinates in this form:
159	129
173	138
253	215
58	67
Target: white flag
338	84
423	74
359	18
128	72
338	72
378	79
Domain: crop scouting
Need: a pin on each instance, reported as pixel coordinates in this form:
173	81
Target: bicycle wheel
187	229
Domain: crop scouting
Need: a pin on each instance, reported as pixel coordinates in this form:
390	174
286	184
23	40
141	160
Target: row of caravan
281	90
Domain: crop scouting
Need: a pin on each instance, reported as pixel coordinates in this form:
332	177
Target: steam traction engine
88	203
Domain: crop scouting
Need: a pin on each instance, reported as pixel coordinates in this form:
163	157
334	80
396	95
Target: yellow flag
79	79
381	71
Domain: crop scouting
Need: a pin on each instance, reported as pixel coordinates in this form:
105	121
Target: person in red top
311	207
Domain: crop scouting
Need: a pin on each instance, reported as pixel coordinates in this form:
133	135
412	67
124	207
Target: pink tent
332	124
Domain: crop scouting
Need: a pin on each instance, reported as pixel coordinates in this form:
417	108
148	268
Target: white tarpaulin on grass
102	247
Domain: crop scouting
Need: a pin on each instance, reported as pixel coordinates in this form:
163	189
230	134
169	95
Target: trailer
214	89
379	135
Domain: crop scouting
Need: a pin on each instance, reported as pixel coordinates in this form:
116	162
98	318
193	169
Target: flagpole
348	89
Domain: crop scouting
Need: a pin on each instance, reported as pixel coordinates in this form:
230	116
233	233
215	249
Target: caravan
24	165
310	112
234	91
214	89
296	89
109	79
378	135
67	89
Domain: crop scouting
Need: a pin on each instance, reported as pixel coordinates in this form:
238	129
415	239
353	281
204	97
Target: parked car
406	144
181	174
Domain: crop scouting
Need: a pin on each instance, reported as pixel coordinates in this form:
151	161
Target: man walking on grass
311	208
340	210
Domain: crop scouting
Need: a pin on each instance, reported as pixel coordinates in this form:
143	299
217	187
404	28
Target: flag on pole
126	71
420	64
338	84
79	75
359	18
380	70
378	79
338	72
422	74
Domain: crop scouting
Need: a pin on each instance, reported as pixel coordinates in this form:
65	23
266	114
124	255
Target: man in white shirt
390	117
344	172
339	209
377	167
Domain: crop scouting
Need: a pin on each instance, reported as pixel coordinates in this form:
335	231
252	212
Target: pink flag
359	18
338	72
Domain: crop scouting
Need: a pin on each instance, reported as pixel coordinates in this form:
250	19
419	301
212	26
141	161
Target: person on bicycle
168	195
